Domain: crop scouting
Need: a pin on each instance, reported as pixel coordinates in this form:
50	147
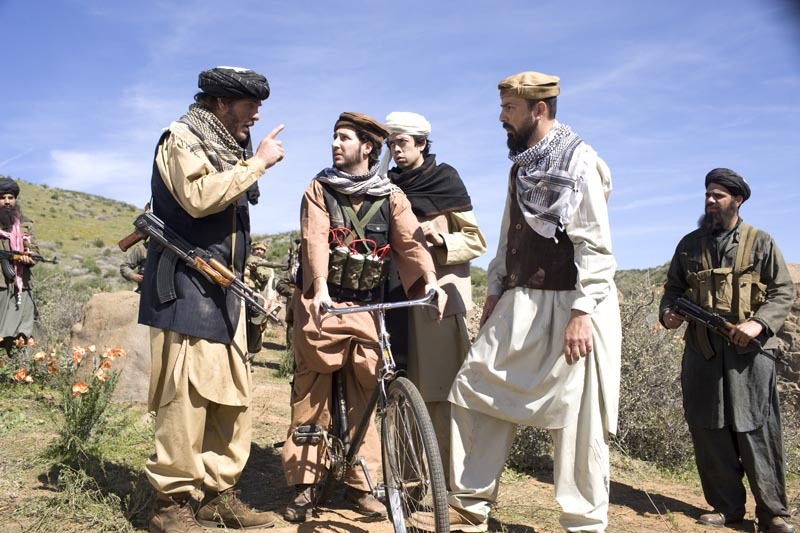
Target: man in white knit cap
433	350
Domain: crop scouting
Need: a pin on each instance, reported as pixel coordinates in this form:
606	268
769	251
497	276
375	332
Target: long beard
517	141
8	215
720	220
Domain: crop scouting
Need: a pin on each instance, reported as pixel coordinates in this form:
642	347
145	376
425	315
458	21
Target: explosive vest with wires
359	247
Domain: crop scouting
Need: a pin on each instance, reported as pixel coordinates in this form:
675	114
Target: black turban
730	180
233	82
7	185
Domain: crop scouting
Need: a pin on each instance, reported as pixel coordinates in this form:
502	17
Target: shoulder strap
706	253
360	223
742	262
745	249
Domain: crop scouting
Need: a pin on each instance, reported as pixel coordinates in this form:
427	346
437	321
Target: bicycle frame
386	373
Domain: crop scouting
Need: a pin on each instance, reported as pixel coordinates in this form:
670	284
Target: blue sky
664	91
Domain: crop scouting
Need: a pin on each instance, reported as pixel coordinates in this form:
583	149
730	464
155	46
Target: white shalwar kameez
516	373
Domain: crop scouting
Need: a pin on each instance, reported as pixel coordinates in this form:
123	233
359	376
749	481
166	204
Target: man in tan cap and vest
347	202
203	176
730	395
439	199
548	351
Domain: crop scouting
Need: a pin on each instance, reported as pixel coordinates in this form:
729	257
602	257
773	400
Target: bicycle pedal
307	434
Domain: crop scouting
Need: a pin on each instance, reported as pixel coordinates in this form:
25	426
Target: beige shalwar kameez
516	373
199	390
437	348
319	353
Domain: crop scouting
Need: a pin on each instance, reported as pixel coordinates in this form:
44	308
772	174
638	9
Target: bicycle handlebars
336	311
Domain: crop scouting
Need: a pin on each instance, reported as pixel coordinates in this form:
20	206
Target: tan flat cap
530	85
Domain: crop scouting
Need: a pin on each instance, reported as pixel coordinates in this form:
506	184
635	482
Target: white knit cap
408	123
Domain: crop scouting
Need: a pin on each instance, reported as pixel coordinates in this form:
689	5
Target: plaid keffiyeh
549	189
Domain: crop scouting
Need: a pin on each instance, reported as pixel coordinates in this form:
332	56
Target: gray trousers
725	456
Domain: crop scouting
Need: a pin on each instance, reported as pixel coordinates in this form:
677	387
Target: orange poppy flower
39	357
31	342
20	375
100	375
80	388
52	368
106	364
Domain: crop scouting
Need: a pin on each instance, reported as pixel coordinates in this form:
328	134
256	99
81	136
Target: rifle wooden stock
222	269
215	276
128	241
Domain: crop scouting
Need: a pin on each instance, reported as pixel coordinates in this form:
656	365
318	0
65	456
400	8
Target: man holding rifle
730	396
203	176
17	309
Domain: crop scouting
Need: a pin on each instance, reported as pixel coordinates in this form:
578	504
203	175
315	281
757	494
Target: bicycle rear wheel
412	466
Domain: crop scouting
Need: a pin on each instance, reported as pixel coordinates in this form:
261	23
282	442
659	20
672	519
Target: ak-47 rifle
715	323
194	257
16	256
260	261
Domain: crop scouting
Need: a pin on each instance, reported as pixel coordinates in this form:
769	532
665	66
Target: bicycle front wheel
412	466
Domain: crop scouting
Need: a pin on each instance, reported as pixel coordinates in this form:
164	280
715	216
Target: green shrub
651	422
85	395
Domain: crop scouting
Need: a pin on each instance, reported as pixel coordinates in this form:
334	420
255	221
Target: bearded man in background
17	308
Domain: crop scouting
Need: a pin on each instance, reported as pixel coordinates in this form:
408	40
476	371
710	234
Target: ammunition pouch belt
356	271
734	293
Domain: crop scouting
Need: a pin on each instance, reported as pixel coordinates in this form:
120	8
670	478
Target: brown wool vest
533	261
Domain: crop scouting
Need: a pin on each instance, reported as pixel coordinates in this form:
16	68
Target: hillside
82	231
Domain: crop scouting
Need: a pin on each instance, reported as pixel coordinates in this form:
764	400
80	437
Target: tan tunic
437	349
217	371
200	390
319	353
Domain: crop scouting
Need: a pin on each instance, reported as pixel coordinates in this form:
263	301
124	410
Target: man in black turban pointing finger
200	381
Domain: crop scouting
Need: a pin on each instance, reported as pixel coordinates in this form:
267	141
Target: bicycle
413	477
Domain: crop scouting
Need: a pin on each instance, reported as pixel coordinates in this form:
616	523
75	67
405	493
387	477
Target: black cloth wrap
233	84
730	180
7	185
432	189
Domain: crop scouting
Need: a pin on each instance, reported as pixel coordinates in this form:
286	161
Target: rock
110	321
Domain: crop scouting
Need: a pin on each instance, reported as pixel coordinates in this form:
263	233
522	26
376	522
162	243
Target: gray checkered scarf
549	189
371	183
216	142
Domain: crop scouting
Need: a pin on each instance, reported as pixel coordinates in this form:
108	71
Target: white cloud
107	173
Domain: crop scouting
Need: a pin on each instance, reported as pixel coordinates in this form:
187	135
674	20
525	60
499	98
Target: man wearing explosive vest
730	396
352	220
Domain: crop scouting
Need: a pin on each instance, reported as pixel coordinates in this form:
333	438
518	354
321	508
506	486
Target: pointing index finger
274	133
